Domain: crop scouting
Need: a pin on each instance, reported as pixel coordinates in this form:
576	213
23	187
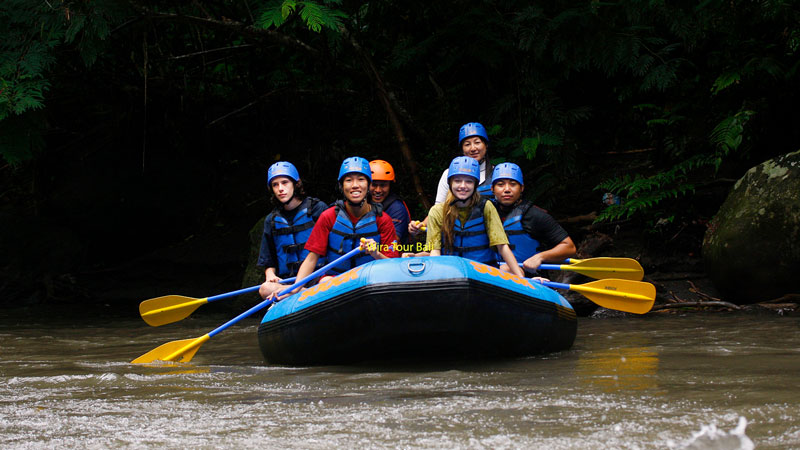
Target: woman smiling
466	224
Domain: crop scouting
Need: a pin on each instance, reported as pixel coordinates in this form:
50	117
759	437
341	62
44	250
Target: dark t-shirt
539	225
398	211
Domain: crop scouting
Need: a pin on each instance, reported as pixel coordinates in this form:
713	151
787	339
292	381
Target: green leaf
725	80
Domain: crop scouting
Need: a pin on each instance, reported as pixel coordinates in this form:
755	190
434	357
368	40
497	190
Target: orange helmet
381	170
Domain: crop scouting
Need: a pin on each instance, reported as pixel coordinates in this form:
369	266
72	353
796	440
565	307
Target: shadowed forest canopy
129	125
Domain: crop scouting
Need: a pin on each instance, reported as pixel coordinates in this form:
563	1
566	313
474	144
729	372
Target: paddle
604	267
186	348
622	295
172	308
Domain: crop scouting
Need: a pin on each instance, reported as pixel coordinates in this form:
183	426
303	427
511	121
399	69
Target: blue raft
417	308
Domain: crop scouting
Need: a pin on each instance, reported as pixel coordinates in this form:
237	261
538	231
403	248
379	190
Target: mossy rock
752	246
253	274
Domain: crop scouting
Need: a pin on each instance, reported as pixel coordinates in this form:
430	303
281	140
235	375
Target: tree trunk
385	97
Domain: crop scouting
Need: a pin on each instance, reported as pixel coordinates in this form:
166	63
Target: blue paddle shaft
244	291
552	284
267	302
233	294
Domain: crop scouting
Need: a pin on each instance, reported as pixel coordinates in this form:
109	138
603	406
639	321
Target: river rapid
697	380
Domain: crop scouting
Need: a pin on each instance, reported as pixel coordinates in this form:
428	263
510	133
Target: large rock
752	246
253	274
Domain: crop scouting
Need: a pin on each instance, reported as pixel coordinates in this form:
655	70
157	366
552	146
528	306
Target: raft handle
416	272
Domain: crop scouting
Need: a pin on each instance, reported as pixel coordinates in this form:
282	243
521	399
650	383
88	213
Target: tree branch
233	25
392	110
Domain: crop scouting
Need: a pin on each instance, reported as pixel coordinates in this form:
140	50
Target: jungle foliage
561	84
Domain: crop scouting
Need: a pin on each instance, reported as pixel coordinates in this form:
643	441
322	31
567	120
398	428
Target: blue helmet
282	168
355	164
472	129
509	171
464	165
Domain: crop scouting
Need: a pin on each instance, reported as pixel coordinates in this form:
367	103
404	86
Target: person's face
283	188
474	147
355	187
462	187
380	190
507	191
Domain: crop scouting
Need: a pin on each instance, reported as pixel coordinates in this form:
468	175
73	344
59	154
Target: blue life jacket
345	236
485	188
290	240
470	239
521	243
399	215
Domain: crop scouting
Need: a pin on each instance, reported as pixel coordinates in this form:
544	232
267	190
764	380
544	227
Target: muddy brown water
658	381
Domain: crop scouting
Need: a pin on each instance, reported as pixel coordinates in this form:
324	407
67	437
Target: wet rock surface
752	247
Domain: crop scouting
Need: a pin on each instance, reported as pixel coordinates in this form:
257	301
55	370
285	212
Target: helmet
355	164
381	170
472	129
464	165
282	168
509	171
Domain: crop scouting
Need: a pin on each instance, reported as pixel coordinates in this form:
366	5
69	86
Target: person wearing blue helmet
534	235
340	228
288	226
473	140
466	224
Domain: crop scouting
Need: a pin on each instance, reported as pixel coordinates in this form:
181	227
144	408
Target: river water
658	381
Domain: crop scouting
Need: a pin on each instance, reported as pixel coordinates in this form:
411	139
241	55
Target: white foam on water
711	438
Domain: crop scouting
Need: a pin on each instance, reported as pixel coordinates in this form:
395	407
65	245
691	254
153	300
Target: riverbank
213	263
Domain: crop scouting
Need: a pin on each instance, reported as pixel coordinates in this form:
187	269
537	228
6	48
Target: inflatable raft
417	308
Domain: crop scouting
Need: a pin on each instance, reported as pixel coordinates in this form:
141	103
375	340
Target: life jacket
345	236
470	239
290	240
521	243
389	200
402	234
485	188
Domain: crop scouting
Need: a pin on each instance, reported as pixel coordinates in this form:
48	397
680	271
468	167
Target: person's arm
308	266
543	227
270	275
442	188
388	236
433	239
415	227
270	289
511	261
398	212
267	255
563	250
499	239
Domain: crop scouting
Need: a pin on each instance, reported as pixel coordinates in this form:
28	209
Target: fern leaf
725	80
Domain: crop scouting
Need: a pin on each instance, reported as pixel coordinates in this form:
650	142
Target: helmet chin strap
355	205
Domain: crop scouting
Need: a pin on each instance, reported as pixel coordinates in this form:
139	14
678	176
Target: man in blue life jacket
533	234
341	227
288	226
381	190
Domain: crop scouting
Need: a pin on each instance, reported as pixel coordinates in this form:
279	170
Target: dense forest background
137	134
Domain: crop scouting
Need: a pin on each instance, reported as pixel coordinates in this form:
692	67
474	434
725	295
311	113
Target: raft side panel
451	318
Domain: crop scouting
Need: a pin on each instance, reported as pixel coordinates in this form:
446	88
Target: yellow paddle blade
181	351
603	267
168	309
622	295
